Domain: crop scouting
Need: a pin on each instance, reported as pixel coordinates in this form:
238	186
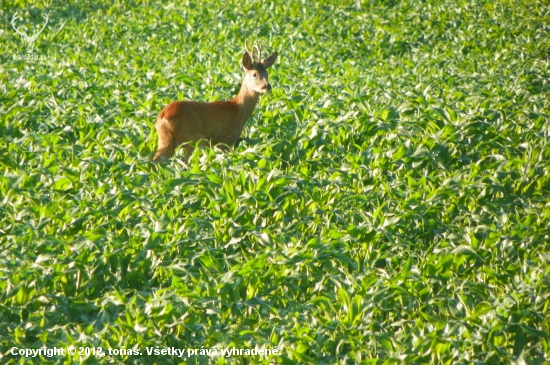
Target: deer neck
246	100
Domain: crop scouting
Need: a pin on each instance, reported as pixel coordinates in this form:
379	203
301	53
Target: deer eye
254	75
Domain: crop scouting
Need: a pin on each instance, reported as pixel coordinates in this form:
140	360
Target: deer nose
267	87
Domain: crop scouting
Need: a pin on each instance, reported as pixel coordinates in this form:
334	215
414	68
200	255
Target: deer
219	123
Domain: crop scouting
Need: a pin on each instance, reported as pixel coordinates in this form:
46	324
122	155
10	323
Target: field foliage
388	204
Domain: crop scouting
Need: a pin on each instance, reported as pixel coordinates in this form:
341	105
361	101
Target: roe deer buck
218	122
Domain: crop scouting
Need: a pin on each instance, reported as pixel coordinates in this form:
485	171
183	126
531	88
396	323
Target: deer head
28	39
256	69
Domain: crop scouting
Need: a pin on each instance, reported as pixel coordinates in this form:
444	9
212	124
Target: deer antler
251	54
259	49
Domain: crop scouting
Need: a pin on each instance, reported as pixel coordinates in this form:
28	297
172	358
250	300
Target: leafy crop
388	204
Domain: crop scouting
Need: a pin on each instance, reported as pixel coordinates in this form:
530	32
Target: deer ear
270	61
247	61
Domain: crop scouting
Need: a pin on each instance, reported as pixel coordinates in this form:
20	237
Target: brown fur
218	122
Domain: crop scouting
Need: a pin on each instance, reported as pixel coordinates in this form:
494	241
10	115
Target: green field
389	202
